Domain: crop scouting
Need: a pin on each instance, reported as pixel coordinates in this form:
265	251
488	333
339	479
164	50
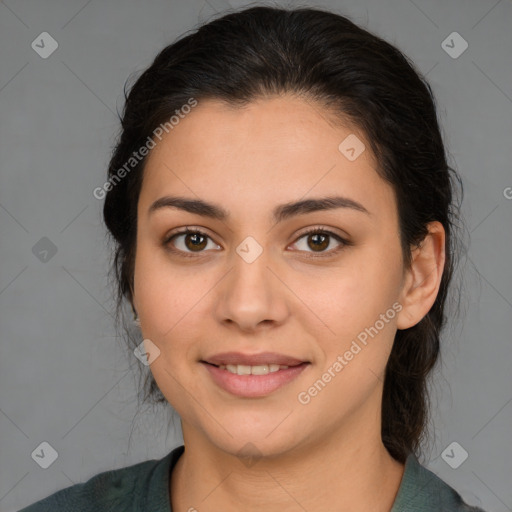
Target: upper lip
253	359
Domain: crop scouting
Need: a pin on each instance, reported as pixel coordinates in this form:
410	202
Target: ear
423	278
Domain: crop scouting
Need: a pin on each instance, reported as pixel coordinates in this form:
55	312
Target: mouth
252	376
261	359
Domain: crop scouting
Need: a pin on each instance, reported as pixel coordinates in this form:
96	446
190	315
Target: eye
189	241
319	239
194	241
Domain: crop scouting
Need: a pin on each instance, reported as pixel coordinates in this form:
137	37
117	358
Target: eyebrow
279	213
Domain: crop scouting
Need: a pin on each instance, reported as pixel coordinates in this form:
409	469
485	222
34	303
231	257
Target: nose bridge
251	293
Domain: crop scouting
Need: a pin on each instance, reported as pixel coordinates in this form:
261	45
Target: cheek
164	293
359	291
175	303
351	302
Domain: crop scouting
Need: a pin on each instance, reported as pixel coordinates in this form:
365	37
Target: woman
283	215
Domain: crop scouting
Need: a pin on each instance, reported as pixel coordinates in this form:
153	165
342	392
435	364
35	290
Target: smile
253	381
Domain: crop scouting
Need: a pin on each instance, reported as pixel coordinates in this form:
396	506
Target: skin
273	151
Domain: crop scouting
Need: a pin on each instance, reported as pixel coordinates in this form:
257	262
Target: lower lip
252	386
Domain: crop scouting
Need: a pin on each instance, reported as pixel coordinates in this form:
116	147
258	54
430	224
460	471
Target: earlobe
423	278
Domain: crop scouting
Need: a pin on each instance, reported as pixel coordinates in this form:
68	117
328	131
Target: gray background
65	375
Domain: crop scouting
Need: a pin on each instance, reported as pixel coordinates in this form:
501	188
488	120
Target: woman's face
254	282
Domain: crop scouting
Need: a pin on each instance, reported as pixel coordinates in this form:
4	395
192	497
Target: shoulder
423	491
133	487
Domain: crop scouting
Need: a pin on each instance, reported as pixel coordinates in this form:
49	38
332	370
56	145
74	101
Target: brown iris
194	237
323	245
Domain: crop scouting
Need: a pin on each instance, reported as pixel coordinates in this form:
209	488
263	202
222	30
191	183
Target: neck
348	469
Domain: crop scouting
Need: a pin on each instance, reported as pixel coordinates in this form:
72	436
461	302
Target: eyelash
312	231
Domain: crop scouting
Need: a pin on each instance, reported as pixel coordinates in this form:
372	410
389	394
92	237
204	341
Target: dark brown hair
351	73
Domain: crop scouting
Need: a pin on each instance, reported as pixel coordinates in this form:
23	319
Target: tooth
244	370
261	369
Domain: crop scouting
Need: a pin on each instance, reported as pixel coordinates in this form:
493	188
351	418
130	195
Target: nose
252	295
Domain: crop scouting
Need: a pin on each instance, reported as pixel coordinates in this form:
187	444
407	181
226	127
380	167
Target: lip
253	386
253	359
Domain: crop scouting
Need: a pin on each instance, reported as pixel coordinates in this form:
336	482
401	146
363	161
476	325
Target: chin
248	440
253	449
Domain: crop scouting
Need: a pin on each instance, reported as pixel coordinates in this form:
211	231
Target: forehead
271	150
270	126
